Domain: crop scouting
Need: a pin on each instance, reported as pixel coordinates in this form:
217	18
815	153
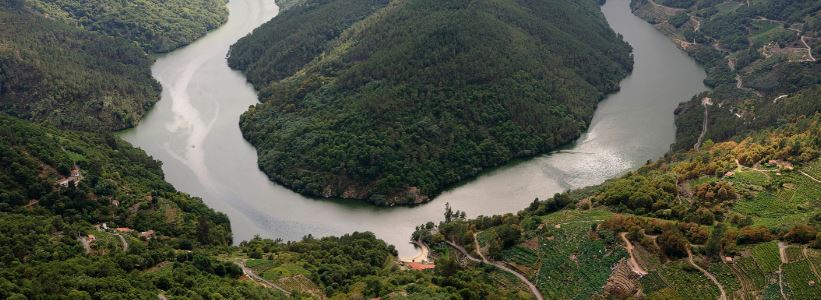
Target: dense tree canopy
55	73
79	64
157	26
422	94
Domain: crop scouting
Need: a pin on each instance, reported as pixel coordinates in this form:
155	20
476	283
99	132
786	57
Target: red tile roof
420	267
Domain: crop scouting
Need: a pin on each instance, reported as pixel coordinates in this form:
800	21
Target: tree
672	243
448	212
204	231
801	234
447	265
715	242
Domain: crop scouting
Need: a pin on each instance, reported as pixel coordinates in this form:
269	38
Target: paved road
521	277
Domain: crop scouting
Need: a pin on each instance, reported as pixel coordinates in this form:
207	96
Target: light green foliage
360	266
653	284
752	271
576	261
725	276
687	282
794	254
797	276
766	256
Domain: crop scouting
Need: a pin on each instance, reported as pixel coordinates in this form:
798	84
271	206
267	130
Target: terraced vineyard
724	274
574	260
754	275
766	256
802	282
777	200
684	282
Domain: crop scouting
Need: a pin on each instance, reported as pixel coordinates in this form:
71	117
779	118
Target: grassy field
766	31
575	215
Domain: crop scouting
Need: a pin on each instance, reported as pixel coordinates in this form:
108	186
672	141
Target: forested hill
56	73
422	94
79	65
118	231
157	26
281	47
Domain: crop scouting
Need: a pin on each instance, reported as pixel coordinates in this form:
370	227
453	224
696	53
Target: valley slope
87	65
419	95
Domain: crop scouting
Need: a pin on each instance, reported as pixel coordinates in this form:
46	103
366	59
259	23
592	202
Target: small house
420	266
147	235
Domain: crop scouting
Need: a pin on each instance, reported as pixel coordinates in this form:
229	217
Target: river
194	131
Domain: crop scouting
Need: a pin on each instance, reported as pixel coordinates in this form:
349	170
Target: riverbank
193	130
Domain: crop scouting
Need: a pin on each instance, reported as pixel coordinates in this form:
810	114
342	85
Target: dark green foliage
422	94
730	29
157	26
359	265
785	78
71	78
281	47
40	255
78	64
31	155
673	243
353	256
676	3
679	20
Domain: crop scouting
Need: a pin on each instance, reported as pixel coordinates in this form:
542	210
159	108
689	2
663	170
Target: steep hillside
157	26
82	64
761	59
87	216
55	73
739	218
422	94
49	246
296	36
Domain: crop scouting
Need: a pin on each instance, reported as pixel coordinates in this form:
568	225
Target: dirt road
634	264
521	277
712	278
257	278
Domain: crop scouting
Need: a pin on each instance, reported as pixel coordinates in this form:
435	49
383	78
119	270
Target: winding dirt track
634	264
257	278
704	102
812	265
478	248
808	175
710	276
521	277
809	49
125	243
